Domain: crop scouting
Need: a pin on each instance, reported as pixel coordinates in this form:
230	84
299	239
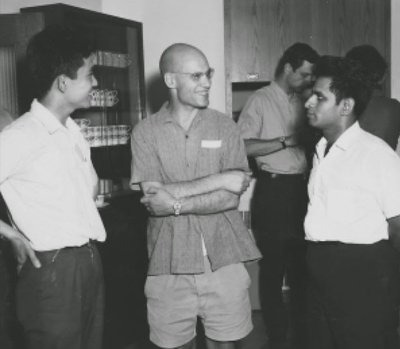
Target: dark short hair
349	79
295	55
54	51
372	60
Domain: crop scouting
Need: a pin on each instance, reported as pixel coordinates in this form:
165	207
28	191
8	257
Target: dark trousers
278	210
354	295
4	312
61	304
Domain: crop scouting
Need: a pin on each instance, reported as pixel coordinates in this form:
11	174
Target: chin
205	103
85	105
312	122
202	105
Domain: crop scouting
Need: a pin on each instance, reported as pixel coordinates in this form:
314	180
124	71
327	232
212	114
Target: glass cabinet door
117	103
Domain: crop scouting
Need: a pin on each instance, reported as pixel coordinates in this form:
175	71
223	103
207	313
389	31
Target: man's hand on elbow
235	181
158	201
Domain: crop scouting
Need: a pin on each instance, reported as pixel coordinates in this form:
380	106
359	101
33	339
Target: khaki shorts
219	298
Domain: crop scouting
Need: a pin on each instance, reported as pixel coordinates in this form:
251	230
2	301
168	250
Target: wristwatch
177	208
282	140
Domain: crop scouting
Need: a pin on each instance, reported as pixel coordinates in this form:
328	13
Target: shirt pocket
209	161
340	206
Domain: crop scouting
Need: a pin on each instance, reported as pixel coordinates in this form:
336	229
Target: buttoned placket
324	164
319	169
191	147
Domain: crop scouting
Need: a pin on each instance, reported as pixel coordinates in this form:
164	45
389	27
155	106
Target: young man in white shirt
353	219
48	183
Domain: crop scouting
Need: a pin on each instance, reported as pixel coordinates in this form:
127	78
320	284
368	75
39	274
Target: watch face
177	208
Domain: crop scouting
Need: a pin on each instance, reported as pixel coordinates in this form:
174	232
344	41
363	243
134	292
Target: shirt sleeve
251	118
386	169
145	164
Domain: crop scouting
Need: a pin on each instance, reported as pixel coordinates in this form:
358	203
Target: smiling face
322	110
191	80
78	89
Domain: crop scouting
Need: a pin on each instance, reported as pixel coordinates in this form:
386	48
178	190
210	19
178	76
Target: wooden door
258	31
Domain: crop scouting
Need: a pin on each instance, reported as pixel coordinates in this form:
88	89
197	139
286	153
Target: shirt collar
47	118
345	140
166	116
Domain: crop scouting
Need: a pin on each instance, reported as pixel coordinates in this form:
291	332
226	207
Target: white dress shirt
47	180
353	190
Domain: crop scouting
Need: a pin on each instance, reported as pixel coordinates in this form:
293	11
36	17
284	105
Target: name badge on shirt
211	144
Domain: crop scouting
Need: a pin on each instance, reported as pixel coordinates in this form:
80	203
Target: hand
236	181
158	202
23	251
292	140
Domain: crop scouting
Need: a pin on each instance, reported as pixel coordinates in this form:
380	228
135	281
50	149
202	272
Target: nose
206	81
94	81
309	102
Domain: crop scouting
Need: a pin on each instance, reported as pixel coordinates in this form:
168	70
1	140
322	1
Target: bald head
175	56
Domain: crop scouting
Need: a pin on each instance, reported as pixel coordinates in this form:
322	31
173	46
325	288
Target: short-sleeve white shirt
47	180
353	190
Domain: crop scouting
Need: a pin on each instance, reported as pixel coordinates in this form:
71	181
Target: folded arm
208	195
262	147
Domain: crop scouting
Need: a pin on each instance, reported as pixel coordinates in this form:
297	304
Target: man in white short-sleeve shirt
353	219
49	184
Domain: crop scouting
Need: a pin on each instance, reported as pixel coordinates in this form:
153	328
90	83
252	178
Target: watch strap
282	140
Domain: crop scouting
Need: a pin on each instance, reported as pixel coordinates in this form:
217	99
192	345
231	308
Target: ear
287	68
169	80
62	83
347	106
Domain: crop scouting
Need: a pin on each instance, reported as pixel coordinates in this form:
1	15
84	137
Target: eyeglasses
198	75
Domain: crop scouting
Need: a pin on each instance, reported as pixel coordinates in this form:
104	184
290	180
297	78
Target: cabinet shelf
118	45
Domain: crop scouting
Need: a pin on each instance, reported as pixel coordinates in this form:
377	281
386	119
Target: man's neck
282	83
183	115
332	135
60	111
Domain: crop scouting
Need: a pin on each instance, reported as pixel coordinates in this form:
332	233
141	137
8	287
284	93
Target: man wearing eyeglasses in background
191	165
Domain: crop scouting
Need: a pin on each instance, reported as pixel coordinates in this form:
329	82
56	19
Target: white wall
197	22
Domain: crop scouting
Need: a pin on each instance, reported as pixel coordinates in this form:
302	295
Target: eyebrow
318	93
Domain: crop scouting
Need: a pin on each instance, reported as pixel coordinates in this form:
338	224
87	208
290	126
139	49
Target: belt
271	175
340	243
90	243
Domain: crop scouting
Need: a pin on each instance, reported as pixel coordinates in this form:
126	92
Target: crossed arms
212	194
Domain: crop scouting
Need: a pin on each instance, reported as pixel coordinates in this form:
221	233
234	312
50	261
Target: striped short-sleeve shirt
163	151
